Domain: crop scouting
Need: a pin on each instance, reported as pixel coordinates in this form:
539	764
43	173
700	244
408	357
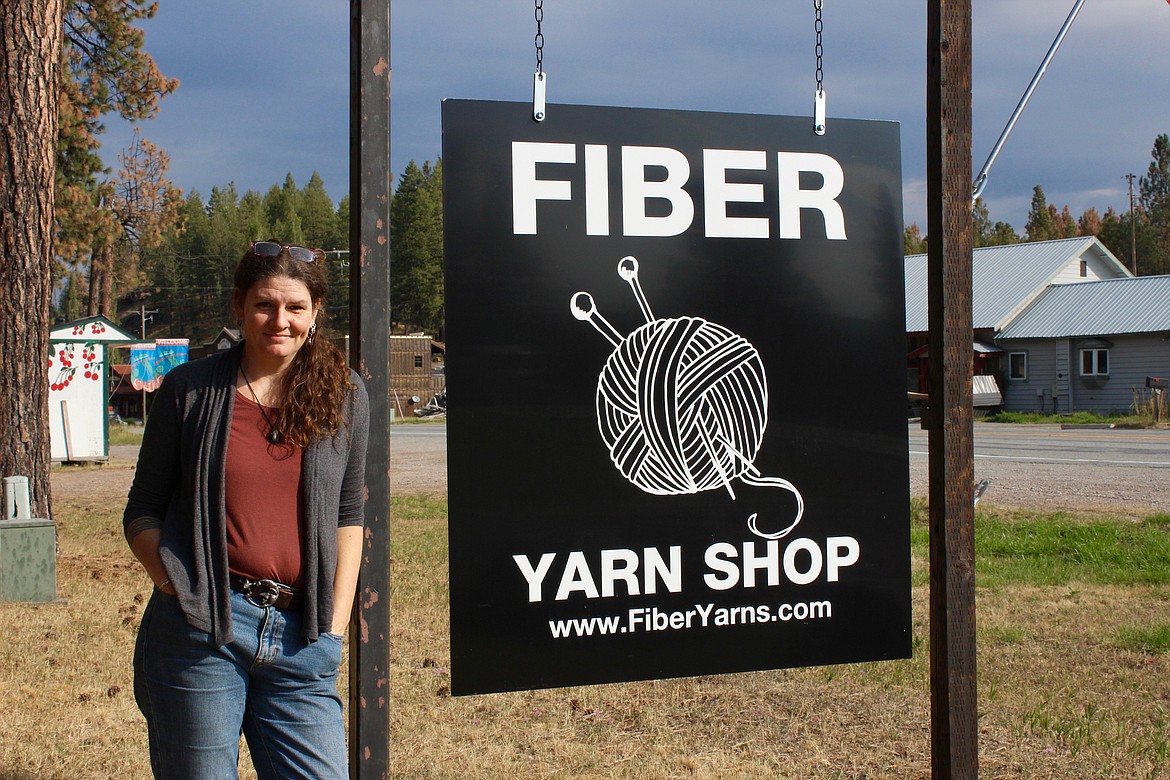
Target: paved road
1116	471
419	432
418	457
1051	444
1023	444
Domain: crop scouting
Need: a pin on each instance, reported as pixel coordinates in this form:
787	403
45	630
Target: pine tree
189	276
179	273
416	233
913	242
1041	221
338	270
1154	196
318	218
30	74
224	244
1118	237
1066	226
71	306
144	207
104	69
282	205
252	217
980	223
1090	222
1002	234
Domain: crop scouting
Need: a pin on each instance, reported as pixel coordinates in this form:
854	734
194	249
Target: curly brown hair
311	394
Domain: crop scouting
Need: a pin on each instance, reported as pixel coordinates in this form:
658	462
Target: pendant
274	436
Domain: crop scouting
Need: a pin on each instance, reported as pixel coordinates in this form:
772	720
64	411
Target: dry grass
67	708
66	702
1074	682
1062	694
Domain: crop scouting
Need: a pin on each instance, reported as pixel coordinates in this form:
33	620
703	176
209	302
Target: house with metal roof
1088	347
1005	280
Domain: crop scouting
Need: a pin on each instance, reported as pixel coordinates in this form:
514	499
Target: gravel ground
1125	490
418	465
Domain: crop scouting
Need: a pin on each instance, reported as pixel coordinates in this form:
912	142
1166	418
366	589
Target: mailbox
1157	382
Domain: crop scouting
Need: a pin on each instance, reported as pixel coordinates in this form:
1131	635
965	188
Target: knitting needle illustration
682	403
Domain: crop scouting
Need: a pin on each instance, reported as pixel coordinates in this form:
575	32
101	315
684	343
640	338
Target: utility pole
953	690
142	313
1132	227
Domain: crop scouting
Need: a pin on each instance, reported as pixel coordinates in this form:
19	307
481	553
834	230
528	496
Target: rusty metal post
954	726
369	307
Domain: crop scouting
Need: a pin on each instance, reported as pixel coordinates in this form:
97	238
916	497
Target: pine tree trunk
107	290
30	51
95	275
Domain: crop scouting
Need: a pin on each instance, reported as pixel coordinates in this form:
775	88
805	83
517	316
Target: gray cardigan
179	487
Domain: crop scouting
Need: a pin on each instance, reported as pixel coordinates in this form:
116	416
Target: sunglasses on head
272	249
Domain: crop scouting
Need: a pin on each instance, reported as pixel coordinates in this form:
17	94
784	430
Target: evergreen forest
1139	237
132	246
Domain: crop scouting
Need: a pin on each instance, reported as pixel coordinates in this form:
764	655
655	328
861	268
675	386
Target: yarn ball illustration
682	405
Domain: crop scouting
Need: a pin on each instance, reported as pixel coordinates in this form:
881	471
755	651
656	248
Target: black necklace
274	436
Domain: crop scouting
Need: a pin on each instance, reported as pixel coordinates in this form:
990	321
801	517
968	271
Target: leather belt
266	593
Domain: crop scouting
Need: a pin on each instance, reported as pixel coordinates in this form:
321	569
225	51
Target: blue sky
264	83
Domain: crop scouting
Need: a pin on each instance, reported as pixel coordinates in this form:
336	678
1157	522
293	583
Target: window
1084	268
1018	365
1094	362
418	361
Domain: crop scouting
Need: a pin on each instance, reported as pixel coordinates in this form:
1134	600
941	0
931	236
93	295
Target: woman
246	513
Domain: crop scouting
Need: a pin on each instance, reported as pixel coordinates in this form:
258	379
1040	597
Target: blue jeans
268	682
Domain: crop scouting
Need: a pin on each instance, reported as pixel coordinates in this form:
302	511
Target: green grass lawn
1078	418
1016	547
125	434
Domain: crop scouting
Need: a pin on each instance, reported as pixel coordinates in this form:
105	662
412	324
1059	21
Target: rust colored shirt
265	511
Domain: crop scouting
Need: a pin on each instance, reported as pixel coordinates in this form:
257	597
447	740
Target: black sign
675	344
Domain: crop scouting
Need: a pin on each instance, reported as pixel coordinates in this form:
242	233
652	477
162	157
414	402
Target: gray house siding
1131	359
1063	386
1034	392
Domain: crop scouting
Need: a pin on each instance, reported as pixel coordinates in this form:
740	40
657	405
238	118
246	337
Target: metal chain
819	26
539	41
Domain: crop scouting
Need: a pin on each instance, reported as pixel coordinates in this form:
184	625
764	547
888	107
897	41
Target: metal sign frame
369	279
954	742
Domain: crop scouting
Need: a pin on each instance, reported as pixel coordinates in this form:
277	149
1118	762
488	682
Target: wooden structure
416	371
954	726
225	339
78	376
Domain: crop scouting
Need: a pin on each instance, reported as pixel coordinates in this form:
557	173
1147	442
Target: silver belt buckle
262	593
